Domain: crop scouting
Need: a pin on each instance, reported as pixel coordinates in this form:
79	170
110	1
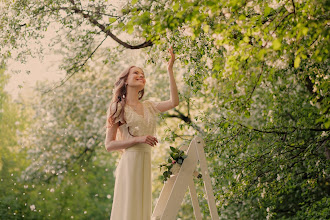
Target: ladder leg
206	179
194	199
165	193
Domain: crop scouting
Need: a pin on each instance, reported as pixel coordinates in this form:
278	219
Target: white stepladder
175	187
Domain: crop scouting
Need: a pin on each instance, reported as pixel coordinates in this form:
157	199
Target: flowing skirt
132	198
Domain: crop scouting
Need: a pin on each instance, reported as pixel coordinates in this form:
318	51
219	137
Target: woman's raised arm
174	99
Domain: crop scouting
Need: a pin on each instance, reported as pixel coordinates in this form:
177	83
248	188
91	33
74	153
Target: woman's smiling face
136	78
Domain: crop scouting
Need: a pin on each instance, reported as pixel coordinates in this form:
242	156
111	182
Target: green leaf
130	29
242	17
297	62
327	124
134	2
111	20
176	6
304	30
320	119
246	39
247	114
173	149
206	28
267	11
277	44
261	54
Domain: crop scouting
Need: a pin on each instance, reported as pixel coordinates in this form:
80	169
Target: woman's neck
132	95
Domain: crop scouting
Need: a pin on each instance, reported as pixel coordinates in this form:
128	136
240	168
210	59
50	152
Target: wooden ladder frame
175	187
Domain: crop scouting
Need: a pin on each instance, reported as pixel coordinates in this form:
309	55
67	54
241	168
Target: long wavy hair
119	96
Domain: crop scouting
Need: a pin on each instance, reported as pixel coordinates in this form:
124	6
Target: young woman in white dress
131	127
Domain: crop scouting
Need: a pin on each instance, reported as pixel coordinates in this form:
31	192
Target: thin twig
80	67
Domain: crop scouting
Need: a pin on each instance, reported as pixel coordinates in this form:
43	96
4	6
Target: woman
136	123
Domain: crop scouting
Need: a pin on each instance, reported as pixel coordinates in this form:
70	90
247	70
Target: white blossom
257	9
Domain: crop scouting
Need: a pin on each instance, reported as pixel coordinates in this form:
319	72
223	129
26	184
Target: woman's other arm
111	144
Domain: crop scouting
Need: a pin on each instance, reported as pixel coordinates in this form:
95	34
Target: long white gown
132	198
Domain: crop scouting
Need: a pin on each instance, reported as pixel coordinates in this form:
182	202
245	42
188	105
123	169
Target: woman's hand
171	61
148	139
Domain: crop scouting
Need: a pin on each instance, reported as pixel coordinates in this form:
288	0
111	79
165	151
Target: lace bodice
139	125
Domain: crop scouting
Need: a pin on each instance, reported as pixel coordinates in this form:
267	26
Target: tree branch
107	31
294	8
255	85
184	118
